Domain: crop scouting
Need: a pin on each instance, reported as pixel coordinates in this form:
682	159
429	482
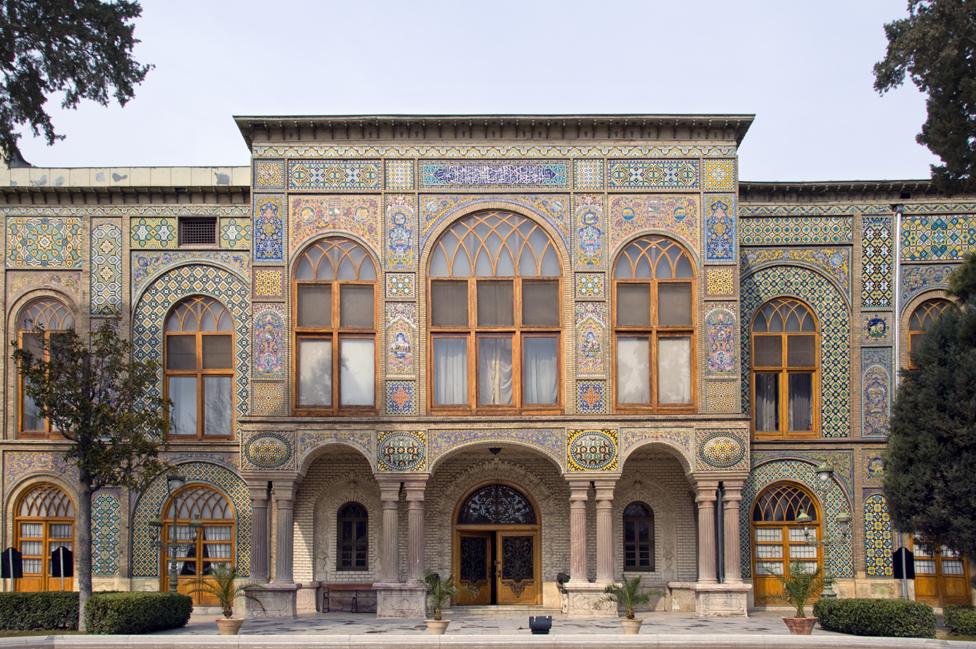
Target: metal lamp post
810	536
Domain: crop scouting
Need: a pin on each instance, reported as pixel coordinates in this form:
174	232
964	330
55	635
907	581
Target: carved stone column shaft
415	530
578	496
732	501
705	498
259	533
604	532
389	571
284	500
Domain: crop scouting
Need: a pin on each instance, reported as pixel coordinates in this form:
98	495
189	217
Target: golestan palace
537	353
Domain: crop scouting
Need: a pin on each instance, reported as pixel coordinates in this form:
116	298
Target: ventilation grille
198	231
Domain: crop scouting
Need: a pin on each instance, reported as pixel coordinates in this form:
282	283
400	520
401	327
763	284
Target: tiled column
284	501
578	495
705	498
732	500
415	528
604	531
389	571
259	532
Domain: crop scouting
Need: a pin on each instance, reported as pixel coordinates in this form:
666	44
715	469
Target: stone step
500	611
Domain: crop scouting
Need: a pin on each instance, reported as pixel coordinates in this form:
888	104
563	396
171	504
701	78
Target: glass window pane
32	413
494	371
181	352
674	370
801	401
217	353
357	372
916	341
540	304
633	370
315	372
315	305
540	369
217	408
496	304
766	404
449	304
183	412
674	305
633	305
800	351
769	534
34	344
768	351
30	530
356	306
450	371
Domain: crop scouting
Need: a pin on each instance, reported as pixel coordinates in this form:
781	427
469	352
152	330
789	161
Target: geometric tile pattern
591	450
720	282
591	397
834	262
145	546
720	175
721	397
833	501
153	233
269	174
147	265
401	232
270	398
653	174
335	175
498	174
269	228
918	279
106	531
877	537
401	397
588	175
399	175
168	289
235	233
833	315
877	256
269	346
106	269
590	286
43	242
401	286
269	282
795	231
875	391
720	228
930	238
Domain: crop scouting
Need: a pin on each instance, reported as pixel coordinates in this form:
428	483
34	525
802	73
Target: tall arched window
200	369
335	332
779	542
198	533
44	520
923	317
638	537
39	322
654	316
785	368
352	544
494	313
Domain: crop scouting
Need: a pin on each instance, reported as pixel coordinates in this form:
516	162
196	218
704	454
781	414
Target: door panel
776	548
474	568
518	579
941	580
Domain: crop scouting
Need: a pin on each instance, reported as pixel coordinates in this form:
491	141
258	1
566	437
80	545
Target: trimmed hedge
137	612
38	611
895	618
960	620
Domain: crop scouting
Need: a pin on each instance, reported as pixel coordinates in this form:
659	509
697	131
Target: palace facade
538	353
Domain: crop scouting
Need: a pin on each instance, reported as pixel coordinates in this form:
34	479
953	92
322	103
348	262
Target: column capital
579	489
415	488
705	491
258	492
283	490
605	487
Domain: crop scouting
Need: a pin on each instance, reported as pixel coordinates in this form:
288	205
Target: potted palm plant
628	595
223	587
439	592
798	589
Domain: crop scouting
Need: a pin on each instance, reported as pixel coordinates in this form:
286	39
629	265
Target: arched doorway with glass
44	520
496	547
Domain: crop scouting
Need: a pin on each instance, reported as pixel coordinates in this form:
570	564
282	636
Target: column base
272	600
710	600
401	600
588	600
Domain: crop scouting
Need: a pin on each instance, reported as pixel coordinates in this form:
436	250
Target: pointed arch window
39	322
785	370
199	377
922	318
44	520
638	537
335	332
352	544
494	313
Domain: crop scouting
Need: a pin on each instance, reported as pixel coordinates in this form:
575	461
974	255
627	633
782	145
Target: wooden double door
497	566
941	578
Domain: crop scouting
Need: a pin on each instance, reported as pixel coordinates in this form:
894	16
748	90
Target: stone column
578	495
415	529
259	532
279	598
284	500
604	531
389	571
733	498
705	498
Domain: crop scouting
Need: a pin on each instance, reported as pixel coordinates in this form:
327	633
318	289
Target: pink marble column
578	495
284	501
604	531
705	498
415	528
731	501
389	571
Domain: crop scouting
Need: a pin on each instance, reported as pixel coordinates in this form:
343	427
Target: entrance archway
496	547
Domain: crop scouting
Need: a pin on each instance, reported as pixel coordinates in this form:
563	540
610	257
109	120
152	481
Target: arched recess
323	444
546	443
671	447
905	322
195	279
833	312
833	500
43	516
145	549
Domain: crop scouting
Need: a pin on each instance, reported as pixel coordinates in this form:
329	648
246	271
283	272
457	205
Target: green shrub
896	618
960	620
137	612
38	611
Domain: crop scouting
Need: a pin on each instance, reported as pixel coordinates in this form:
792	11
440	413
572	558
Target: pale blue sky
804	69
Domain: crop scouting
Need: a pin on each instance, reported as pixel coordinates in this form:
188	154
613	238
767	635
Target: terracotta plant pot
631	627
437	627
800	625
229	625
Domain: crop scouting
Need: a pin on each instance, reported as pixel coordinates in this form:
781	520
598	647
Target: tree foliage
78	49
932	447
935	46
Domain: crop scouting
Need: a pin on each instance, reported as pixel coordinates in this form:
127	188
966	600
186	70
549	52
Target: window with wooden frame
39	322
638	537
785	370
334	293
779	542
921	320
352	542
199	362
44	520
494	314
654	327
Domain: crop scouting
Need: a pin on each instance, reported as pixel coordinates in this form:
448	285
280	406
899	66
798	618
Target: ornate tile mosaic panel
269	282
528	149
720	340
720	228
106	268
877	537
874	465
677	215
722	396
835	340
875	391
591	450
499	174
876	328
719	282
106	534
147	265
235	233
877	256
269	175
335	175
591	339
548	441
822	209
591	397
401	286
590	223
719	175
918	279
401	452
269	229
401	397
18	465
269	451
551	208
590	286
721	449
270	341
44	242
270	398
832	261
399	175
153	233
22	281
401	232
937	238
312	216
588	175
653	174
795	231
401	339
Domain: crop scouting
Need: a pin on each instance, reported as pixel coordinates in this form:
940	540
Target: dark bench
350	598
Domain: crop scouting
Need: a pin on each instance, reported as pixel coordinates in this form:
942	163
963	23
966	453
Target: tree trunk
83	548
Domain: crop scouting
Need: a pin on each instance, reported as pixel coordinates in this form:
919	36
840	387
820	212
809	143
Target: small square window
198	231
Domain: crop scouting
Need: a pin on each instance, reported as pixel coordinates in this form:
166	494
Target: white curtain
801	393
495	371
183	414
217	405
539	371
633	371
450	371
357	371
674	370
766	402
315	372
